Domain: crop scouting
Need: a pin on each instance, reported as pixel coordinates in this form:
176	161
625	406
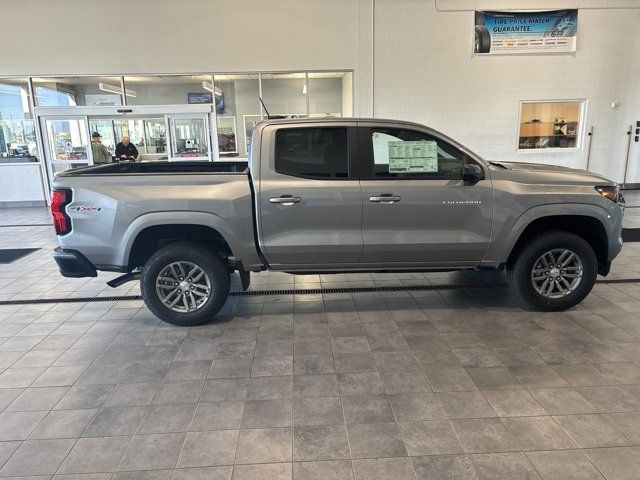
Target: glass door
190	137
67	143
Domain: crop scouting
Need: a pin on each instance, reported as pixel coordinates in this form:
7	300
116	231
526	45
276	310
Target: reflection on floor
420	385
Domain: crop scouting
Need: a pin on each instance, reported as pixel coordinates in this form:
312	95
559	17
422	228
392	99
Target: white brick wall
425	72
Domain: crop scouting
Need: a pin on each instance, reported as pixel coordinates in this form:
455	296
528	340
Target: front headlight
612	192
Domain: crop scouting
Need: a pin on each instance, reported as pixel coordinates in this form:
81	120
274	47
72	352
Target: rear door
309	197
416	208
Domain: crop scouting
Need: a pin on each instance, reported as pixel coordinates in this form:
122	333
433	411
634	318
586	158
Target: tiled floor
461	384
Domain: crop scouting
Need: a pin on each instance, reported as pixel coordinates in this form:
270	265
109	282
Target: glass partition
155	135
238	100
169	89
330	94
104	128
285	94
77	91
17	131
550	125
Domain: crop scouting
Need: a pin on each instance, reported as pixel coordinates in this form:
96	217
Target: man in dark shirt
125	150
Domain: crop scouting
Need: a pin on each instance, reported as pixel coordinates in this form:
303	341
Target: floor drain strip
303	291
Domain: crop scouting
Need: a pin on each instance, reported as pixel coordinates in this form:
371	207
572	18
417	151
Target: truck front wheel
184	284
554	271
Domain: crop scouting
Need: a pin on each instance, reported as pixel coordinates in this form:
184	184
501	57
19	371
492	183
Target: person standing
100	153
126	150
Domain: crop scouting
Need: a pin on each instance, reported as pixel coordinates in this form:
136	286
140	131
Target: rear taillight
61	221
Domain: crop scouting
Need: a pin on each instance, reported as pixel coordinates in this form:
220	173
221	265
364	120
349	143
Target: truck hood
533	172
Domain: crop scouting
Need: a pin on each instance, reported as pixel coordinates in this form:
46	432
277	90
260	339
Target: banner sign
526	32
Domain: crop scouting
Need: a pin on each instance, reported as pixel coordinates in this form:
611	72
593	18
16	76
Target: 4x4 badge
85	209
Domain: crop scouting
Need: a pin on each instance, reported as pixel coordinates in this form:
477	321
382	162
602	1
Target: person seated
125	150
98	150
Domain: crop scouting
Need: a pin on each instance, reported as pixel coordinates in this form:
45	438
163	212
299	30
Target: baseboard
630	186
23	204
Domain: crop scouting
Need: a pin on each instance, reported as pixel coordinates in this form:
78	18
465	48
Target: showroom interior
380	373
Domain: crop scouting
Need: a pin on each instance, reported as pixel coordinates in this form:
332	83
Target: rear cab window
314	152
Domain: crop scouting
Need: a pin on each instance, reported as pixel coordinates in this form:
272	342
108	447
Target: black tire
196	254
520	270
482	40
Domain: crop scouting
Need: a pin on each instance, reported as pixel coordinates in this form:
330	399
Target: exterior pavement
461	384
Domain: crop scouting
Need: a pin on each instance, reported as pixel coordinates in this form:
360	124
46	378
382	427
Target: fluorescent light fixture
210	88
105	87
304	88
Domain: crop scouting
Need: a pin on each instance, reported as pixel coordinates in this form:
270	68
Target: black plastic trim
72	263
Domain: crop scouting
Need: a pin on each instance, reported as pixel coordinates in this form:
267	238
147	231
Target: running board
122	279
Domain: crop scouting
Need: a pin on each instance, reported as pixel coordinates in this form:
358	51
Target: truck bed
129	168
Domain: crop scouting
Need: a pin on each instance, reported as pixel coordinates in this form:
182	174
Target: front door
310	203
416	208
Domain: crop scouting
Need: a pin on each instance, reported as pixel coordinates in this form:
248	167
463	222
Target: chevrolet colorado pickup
335	195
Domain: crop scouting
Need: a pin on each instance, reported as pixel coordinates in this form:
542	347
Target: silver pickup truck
335	195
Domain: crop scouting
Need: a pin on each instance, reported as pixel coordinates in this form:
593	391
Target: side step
122	279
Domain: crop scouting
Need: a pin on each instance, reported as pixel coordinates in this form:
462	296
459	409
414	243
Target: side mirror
472	173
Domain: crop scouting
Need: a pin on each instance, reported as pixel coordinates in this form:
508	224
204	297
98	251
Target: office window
330	94
312	152
169	89
399	153
237	111
17	131
285	94
77	91
550	125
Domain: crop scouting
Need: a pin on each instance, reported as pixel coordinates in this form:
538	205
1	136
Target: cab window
401	153
321	153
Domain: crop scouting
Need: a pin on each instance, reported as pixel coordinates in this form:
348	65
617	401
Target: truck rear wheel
184	284
554	271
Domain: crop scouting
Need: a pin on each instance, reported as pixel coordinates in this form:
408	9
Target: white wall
425	72
169	36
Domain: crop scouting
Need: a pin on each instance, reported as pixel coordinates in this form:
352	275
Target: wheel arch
151	232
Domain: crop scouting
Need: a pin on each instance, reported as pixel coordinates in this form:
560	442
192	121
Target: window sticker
381	147
413	157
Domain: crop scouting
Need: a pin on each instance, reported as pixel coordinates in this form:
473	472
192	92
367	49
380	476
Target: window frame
366	163
352	151
582	115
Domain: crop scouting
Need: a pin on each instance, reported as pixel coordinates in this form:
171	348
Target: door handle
285	200
385	198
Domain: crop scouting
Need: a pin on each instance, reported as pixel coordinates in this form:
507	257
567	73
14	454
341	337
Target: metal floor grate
305	291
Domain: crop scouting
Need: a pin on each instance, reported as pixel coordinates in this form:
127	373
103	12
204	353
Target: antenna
265	108
269	117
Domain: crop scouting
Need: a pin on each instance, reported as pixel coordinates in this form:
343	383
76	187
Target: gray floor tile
225	390
430	438
217	416
514	403
315	385
63	424
562	401
412	407
621	463
167	418
152	452
317	411
449	379
83	397
265	446
37	399
132	395
465	404
37	457
498	466
485	435
592	431
320	442
376	440
444	467
564	465
115	421
203	449
267	413
367	409
368	383
383	469
270	388
95	455
323	470
178	392
271	471
627	423
19	425
538	433
609	399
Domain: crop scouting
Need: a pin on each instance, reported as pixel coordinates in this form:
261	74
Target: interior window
312	152
411	154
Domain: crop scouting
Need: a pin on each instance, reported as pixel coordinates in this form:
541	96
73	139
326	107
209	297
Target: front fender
509	233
